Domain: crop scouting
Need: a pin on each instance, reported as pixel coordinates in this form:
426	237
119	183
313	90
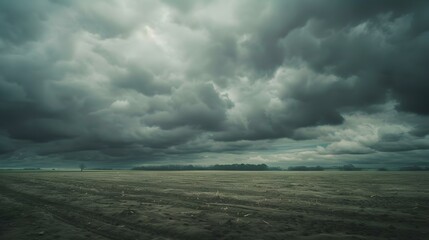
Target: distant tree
350	167
222	167
305	168
414	168
82	166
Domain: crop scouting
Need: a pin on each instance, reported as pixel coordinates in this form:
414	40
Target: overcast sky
288	82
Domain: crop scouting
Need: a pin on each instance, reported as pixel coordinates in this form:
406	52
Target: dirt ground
214	205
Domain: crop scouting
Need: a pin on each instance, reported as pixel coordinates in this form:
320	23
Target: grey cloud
22	21
6	145
346	39
142	81
198	105
148	79
377	51
364	133
346	147
399	146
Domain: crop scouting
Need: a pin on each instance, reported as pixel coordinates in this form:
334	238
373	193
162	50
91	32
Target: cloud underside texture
155	79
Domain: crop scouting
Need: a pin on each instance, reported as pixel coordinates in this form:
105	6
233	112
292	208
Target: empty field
214	205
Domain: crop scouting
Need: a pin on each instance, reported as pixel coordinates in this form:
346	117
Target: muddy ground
214	205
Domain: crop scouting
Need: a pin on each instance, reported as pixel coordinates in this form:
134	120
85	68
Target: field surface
214	205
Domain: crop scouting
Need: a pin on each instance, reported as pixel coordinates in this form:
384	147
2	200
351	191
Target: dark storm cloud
129	79
361	44
139	80
22	21
197	105
6	145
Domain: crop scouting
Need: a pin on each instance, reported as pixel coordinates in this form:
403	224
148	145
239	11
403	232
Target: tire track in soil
249	206
264	211
79	218
310	222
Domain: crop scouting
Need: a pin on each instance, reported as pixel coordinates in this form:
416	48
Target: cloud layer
137	81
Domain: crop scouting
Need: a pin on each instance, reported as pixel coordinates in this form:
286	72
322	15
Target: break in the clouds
280	82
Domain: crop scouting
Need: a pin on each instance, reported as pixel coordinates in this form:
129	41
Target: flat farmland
214	205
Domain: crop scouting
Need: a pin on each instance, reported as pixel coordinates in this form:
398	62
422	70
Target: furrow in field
99	224
297	206
264	211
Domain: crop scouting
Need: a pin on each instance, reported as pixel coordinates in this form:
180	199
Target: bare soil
214	205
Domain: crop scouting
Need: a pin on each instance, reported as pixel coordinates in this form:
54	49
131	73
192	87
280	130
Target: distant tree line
350	167
170	167
414	168
347	167
305	168
32	168
238	167
223	167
